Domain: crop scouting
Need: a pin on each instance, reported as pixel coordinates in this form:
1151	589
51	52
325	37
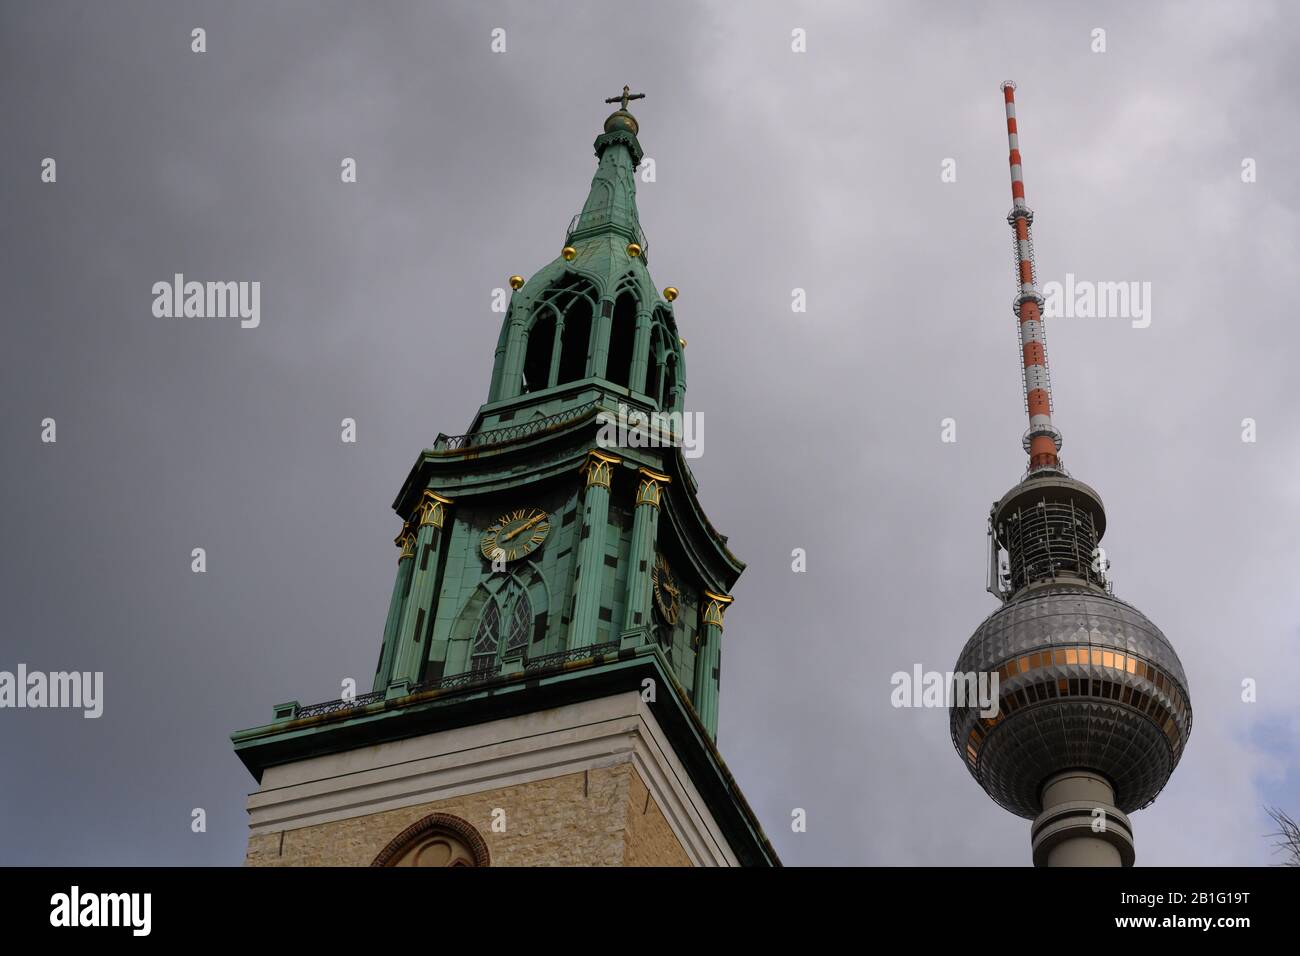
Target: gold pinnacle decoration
405	541
569	253
649	488
516	282
670	293
683	342
633	249
598	467
713	610
430	509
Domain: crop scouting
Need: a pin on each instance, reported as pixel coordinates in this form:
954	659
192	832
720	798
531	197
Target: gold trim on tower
598	467
405	541
649	489
713	610
431	510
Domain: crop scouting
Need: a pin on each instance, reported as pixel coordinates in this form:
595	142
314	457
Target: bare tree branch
1286	838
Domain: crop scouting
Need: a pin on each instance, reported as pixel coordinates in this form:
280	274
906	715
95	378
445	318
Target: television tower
1093	710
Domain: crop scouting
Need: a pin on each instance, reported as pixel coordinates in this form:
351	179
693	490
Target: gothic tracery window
488	637
521	622
504	619
515	626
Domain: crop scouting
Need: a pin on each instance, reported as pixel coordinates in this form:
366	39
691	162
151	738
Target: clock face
516	534
667	595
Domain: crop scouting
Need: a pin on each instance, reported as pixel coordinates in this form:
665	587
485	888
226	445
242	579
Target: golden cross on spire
627	95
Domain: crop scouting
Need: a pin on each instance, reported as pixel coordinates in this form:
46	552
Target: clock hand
523	527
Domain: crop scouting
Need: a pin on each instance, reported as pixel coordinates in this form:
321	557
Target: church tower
547	683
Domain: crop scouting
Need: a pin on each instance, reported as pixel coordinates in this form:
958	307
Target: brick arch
431	825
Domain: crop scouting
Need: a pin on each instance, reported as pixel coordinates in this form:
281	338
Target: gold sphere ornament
569	253
633	250
621	119
516	282
670	293
683	341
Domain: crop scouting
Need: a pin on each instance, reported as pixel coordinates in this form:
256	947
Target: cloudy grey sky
775	170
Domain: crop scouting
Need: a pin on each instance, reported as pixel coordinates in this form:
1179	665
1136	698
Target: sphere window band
1166	716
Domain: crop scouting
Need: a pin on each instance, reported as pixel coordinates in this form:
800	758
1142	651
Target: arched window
663	378
559	338
622	335
668	400
488	648
483	652
537	358
575	342
652	366
504	618
439	839
521	625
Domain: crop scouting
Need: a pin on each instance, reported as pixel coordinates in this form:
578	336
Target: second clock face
516	534
667	595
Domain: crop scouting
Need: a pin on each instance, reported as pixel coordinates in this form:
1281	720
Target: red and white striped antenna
1042	441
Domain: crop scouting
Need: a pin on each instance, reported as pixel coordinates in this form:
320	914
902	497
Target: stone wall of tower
649	840
595	782
599	817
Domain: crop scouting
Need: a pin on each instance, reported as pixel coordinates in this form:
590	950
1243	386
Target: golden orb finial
683	341
516	282
569	253
633	249
670	293
621	118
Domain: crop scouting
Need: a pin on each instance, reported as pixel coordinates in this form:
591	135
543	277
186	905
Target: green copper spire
554	556
611	204
593	315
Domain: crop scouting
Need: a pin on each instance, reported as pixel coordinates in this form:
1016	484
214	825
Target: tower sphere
1085	681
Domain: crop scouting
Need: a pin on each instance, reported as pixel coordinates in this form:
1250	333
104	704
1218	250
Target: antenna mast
1042	441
